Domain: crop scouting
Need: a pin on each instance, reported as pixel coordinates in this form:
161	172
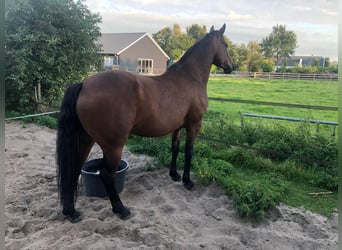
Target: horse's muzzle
228	69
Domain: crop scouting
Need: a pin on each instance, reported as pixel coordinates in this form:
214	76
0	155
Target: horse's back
113	79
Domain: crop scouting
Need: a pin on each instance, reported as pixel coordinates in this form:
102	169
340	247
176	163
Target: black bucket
92	183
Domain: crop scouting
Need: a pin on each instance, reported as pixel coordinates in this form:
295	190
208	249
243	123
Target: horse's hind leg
175	149
112	157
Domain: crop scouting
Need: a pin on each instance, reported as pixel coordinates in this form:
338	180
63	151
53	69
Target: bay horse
108	106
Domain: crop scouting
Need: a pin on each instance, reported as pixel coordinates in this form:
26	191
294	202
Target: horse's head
221	57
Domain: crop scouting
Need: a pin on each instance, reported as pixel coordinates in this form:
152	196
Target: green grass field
322	93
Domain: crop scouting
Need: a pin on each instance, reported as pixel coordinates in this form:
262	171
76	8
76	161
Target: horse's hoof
175	176
188	185
72	216
124	213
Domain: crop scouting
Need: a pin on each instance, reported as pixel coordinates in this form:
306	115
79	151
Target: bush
267	65
255	179
252	196
46	120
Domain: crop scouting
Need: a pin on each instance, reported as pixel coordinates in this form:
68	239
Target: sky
315	22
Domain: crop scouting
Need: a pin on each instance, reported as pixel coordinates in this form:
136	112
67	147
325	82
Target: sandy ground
166	216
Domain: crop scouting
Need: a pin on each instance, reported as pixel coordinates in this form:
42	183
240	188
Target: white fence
282	76
156	71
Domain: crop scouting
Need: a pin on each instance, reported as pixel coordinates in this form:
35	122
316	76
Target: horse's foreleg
175	149
191	133
188	184
107	174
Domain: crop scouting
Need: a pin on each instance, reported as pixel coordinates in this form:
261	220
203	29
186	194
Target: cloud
302	8
314	22
329	12
232	15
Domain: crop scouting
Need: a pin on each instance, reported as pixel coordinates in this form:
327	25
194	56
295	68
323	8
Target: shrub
255	179
47	121
267	65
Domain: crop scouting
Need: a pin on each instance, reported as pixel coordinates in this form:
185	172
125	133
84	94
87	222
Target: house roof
303	60
116	43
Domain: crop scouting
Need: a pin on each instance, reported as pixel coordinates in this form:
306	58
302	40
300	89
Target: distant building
300	61
133	52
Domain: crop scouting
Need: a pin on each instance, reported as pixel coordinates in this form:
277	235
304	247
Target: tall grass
258	179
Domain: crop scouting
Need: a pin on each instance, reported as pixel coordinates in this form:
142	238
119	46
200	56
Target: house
133	52
300	61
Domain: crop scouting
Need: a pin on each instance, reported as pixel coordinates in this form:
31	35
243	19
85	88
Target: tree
240	58
315	63
196	32
254	57
176	30
49	44
280	44
180	44
164	38
327	62
173	41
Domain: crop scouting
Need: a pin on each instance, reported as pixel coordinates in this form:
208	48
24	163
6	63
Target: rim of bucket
125	168
98	171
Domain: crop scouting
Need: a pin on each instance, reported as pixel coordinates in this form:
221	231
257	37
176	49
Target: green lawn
322	93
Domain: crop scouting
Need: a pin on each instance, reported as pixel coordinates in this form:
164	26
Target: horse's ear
211	29
223	28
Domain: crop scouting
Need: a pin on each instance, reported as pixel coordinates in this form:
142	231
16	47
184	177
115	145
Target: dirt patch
166	216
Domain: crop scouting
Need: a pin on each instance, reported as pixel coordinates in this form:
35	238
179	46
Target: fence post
317	128
35	94
242	121
333	131
39	92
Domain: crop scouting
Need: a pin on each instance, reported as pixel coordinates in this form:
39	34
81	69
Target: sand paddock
165	215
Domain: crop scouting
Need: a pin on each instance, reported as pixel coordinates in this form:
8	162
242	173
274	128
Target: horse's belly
155	128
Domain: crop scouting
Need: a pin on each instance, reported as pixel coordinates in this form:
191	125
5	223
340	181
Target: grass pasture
320	93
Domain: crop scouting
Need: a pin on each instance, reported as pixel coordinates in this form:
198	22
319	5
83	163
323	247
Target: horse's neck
197	62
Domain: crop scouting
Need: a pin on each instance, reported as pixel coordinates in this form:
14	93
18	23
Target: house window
108	61
111	62
145	65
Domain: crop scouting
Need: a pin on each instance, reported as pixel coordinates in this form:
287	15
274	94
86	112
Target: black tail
69	162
